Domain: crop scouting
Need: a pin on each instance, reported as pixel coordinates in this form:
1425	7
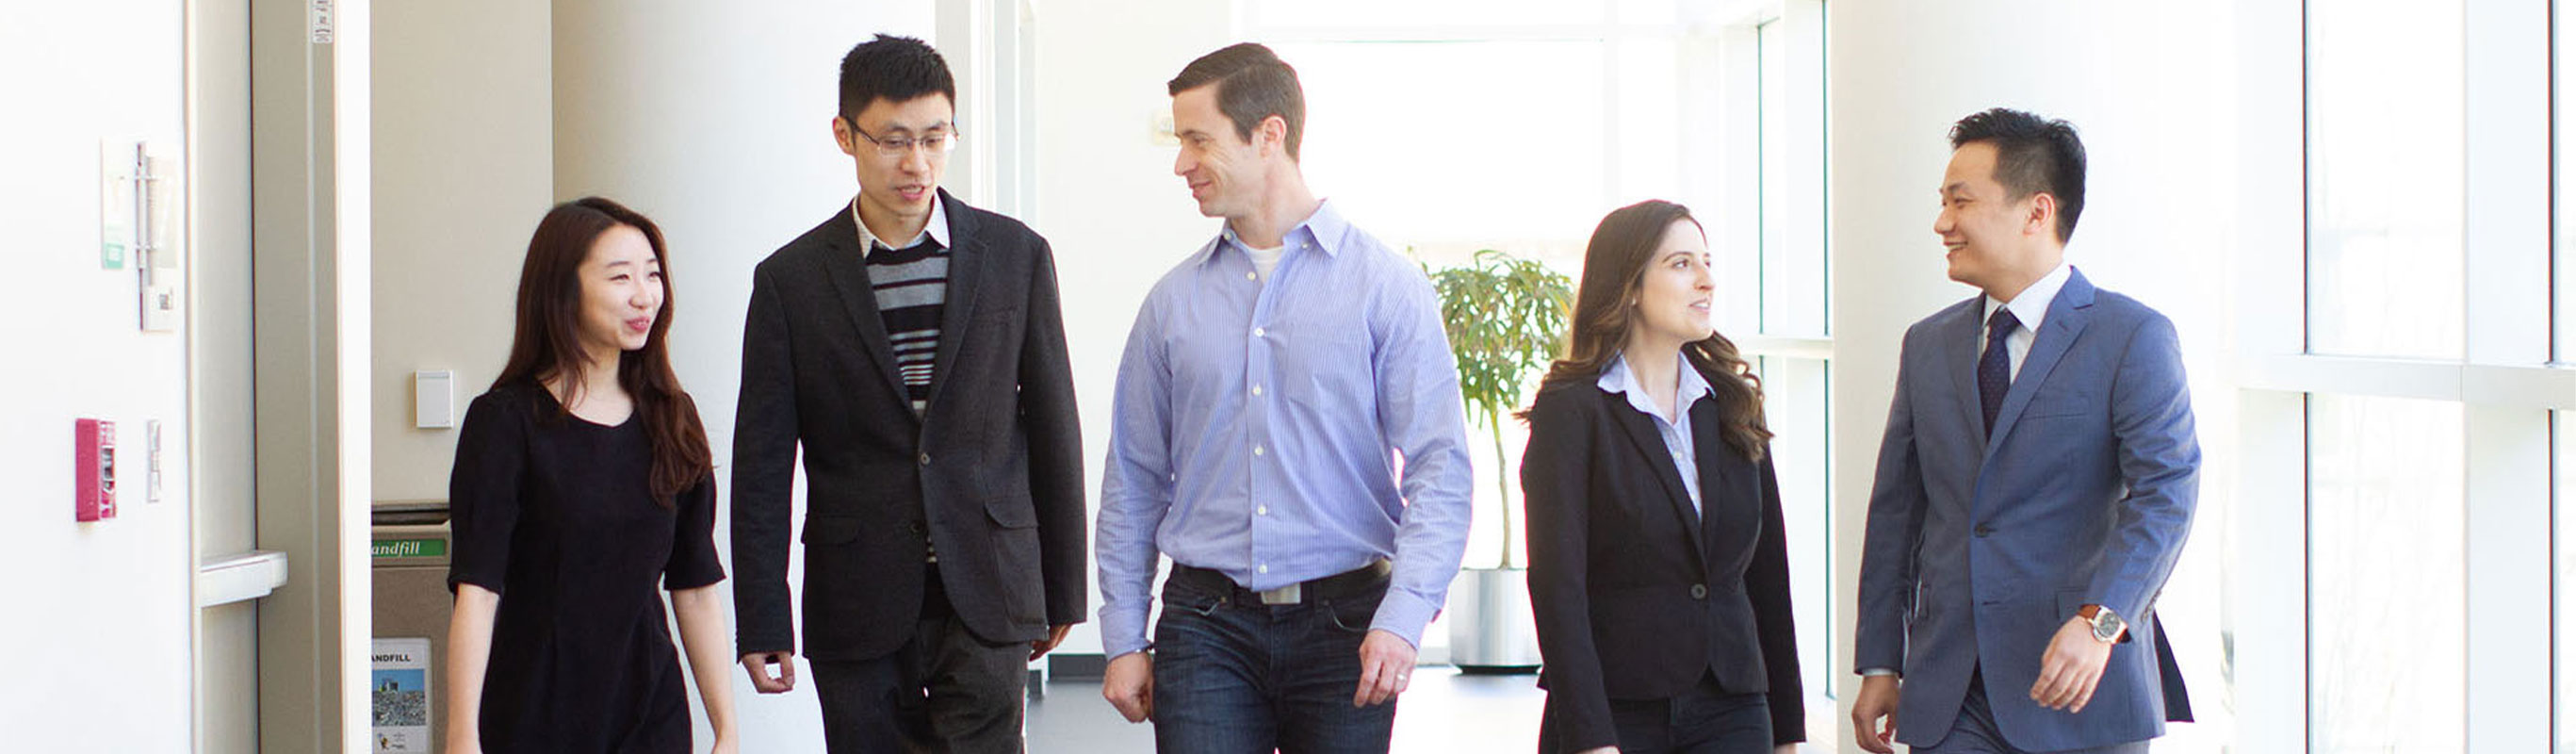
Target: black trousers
1704	720
943	691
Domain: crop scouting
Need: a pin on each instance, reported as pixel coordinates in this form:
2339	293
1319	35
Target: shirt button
925	459
1256	450
1256	391
1248	276
1257	332
1263	568
1262	511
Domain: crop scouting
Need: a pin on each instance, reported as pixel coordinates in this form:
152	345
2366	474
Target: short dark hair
2032	154
895	69
1252	83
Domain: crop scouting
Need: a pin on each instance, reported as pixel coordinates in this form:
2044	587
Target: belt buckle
1286	595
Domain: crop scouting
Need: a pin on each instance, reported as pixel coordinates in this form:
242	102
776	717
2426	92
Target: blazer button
915	526
1699	591
925	459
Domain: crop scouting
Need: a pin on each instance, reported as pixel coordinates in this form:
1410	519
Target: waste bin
409	565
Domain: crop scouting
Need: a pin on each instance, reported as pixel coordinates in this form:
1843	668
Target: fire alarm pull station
94	469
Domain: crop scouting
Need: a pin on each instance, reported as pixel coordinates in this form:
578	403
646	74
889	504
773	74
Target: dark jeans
1975	732
1703	720
943	691
1237	678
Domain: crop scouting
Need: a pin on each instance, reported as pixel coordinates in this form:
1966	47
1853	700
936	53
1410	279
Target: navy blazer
1980	547
1636	596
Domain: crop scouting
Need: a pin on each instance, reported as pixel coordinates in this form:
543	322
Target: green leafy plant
1505	317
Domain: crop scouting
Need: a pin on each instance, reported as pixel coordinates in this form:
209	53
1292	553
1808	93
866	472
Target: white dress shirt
2031	308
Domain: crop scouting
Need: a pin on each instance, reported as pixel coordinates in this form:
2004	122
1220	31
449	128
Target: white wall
715	121
2152	89
1106	196
464	168
96	652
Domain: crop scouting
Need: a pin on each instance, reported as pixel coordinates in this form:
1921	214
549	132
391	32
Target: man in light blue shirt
1288	430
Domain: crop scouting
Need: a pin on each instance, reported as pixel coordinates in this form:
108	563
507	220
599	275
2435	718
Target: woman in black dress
582	481
1659	574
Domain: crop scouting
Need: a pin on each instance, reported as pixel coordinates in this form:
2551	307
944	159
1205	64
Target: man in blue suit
2035	485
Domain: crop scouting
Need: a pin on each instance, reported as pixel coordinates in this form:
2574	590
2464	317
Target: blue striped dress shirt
1285	429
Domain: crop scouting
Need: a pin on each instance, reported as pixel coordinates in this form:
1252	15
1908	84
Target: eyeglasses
935	143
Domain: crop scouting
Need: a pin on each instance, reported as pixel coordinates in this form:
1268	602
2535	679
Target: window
2385	196
2563	465
2388	586
2422	351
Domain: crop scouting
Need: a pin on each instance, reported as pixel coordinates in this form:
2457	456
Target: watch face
2106	626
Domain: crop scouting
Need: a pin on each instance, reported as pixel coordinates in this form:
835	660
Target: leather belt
1336	586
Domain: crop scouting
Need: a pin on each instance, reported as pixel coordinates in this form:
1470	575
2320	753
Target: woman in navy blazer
1658	569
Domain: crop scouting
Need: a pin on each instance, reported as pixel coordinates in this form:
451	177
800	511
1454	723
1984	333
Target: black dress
555	514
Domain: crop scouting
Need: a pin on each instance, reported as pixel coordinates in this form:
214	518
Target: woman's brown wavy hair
547	344
1614	271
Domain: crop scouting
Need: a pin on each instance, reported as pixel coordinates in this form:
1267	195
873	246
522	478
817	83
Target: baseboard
1076	665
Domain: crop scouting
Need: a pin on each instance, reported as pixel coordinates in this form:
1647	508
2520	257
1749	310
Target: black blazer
990	473
1634	601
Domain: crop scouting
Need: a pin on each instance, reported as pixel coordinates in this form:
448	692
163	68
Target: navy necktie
1994	370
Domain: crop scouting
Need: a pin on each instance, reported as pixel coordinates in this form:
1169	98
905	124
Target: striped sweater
912	294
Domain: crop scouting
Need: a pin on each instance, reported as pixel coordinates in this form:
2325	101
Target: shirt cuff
1876	672
1403	614
1123	632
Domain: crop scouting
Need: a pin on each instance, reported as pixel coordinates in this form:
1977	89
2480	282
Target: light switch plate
433	399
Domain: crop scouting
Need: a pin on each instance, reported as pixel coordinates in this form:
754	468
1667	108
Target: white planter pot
1490	624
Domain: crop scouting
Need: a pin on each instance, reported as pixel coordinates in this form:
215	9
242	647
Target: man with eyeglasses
912	347
1268	389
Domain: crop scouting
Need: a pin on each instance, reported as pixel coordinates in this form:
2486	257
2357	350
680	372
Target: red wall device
94	469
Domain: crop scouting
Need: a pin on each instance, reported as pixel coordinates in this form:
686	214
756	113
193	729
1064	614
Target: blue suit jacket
1979	548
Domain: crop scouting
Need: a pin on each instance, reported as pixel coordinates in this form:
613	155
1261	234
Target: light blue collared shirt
1259	427
1676	429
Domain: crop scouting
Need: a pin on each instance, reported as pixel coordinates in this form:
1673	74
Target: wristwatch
2107	625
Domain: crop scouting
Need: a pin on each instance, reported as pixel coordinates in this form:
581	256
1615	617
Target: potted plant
1505	317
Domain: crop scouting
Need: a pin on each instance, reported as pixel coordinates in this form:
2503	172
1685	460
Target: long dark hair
548	342
1614	271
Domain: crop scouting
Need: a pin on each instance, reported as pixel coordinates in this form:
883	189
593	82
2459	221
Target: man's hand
1386	668
1054	637
1129	686
757	664
1877	703
2071	668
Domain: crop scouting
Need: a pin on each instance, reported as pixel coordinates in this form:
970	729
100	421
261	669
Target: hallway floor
1444	711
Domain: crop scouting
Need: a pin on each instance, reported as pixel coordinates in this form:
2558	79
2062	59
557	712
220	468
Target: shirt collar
1618	378
936	229
1325	229
2031	307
